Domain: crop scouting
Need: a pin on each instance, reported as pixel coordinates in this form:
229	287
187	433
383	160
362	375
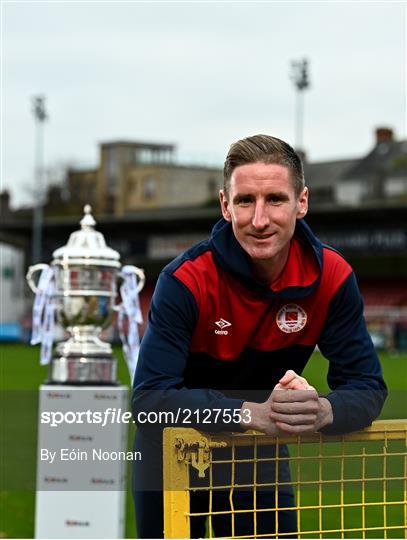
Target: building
380	176
11	292
132	176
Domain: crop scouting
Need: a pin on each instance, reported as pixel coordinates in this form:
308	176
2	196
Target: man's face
262	207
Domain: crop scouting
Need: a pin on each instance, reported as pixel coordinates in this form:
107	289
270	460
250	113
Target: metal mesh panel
353	486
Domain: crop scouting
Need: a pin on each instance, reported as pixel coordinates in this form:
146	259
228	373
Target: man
233	323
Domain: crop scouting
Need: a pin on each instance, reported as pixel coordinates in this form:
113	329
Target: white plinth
83	497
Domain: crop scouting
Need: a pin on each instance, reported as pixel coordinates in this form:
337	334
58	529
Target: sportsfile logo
222	325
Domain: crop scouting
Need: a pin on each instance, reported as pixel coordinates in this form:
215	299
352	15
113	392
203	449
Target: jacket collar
300	275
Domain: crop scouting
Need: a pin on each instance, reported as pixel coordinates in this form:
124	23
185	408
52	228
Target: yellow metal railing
346	486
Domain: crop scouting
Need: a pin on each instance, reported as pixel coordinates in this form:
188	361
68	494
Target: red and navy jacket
218	337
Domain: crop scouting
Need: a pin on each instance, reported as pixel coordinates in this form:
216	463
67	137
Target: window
112	170
149	187
145	155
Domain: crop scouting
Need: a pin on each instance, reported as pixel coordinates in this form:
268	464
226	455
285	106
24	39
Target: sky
197	74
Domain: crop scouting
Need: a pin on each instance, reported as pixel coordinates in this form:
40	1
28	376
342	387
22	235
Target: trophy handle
31	271
139	273
141	276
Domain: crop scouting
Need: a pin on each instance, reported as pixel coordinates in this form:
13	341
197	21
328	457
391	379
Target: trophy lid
87	246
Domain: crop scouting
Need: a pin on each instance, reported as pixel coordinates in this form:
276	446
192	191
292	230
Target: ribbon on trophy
130	308
44	314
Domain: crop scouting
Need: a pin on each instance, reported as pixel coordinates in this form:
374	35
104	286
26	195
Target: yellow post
176	493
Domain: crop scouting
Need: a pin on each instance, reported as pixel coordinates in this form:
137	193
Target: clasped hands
293	407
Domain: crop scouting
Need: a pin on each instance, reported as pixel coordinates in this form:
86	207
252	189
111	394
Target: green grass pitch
20	377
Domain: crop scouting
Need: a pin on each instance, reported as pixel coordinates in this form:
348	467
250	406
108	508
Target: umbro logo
222	325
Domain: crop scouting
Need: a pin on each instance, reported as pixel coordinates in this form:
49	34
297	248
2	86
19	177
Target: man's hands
299	411
260	417
292	381
293	407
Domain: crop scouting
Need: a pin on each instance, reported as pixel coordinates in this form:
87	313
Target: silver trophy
86	275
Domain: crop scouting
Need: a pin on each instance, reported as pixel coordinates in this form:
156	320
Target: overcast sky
198	74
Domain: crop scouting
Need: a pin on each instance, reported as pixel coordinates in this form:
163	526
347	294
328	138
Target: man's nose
260	218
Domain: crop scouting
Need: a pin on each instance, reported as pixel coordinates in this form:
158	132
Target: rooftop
326	173
387	157
144	145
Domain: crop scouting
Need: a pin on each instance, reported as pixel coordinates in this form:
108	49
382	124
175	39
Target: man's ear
224	205
302	204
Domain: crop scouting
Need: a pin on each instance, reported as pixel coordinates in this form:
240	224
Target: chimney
4	202
302	155
384	134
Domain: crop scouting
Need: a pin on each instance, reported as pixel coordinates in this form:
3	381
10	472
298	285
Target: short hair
264	149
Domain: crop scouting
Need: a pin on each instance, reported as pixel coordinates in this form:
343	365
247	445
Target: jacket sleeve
354	374
159	379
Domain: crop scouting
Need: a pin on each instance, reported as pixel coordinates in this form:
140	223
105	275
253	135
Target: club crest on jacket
291	318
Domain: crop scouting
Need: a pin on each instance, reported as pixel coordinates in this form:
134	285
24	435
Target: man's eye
275	200
244	200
